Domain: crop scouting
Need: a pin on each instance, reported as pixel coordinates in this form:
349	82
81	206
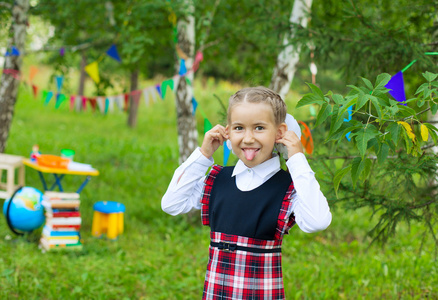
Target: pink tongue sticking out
250	153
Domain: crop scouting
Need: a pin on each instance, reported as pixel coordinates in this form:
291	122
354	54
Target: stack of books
63	222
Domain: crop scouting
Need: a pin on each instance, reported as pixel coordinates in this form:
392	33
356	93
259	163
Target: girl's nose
248	138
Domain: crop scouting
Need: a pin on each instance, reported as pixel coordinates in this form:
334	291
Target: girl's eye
238	128
259	128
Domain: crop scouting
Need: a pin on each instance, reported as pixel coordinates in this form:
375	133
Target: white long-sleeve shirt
309	205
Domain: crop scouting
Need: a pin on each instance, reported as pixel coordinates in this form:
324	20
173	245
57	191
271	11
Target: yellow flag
408	129
93	71
424	132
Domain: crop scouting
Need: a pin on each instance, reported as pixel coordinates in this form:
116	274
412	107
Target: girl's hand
292	143
213	138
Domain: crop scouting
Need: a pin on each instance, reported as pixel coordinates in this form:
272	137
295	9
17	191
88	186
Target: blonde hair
259	94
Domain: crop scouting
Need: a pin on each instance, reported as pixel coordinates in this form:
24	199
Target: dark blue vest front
251	214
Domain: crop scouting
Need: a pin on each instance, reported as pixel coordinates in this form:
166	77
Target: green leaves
316	96
375	125
363	136
338	176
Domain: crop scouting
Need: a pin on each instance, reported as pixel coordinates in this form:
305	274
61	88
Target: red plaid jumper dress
242	267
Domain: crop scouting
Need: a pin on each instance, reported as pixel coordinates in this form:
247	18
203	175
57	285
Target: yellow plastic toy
108	219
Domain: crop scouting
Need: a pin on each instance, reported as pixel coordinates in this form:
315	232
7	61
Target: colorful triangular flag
59	81
107	104
14	52
34	90
207	125
93	71
84	103
72	102
59	99
194	105
146	96
164	85
125	102
92	103
158	88
198	58
100	103
182	67
32	72
396	86
49	96
112	52
119	99
110	102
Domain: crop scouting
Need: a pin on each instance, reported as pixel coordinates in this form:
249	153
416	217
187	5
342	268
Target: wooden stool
107	218
10	163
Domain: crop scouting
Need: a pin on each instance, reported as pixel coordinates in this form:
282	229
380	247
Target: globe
26	212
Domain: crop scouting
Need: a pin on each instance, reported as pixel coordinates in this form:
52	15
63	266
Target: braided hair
259	94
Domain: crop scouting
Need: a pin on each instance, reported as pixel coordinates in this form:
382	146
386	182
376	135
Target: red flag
84	103
125	108
72	102
92	103
35	90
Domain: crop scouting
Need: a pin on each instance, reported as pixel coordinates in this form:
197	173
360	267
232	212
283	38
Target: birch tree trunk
10	78
187	133
288	58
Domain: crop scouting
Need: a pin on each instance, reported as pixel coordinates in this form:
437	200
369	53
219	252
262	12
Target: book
48	246
60	241
62	214
64	221
63	227
60	203
56	233
60	195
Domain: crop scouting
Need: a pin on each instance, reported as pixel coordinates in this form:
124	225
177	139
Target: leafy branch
385	165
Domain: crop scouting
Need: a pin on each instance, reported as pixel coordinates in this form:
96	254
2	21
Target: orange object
53	161
306	138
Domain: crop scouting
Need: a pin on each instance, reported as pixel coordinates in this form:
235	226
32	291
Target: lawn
164	257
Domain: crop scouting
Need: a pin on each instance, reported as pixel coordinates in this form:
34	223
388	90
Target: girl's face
252	132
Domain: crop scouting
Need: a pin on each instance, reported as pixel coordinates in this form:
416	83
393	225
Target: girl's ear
281	130
227	129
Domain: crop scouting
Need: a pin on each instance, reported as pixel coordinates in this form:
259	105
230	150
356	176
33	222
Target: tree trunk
82	75
288	58
187	133
10	78
133	100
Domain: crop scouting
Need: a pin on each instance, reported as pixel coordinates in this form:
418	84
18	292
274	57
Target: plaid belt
227	247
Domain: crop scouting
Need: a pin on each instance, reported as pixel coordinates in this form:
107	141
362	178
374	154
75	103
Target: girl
251	206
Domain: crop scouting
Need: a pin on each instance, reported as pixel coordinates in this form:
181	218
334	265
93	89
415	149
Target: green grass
164	257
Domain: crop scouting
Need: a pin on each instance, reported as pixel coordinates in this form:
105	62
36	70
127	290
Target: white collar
263	170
